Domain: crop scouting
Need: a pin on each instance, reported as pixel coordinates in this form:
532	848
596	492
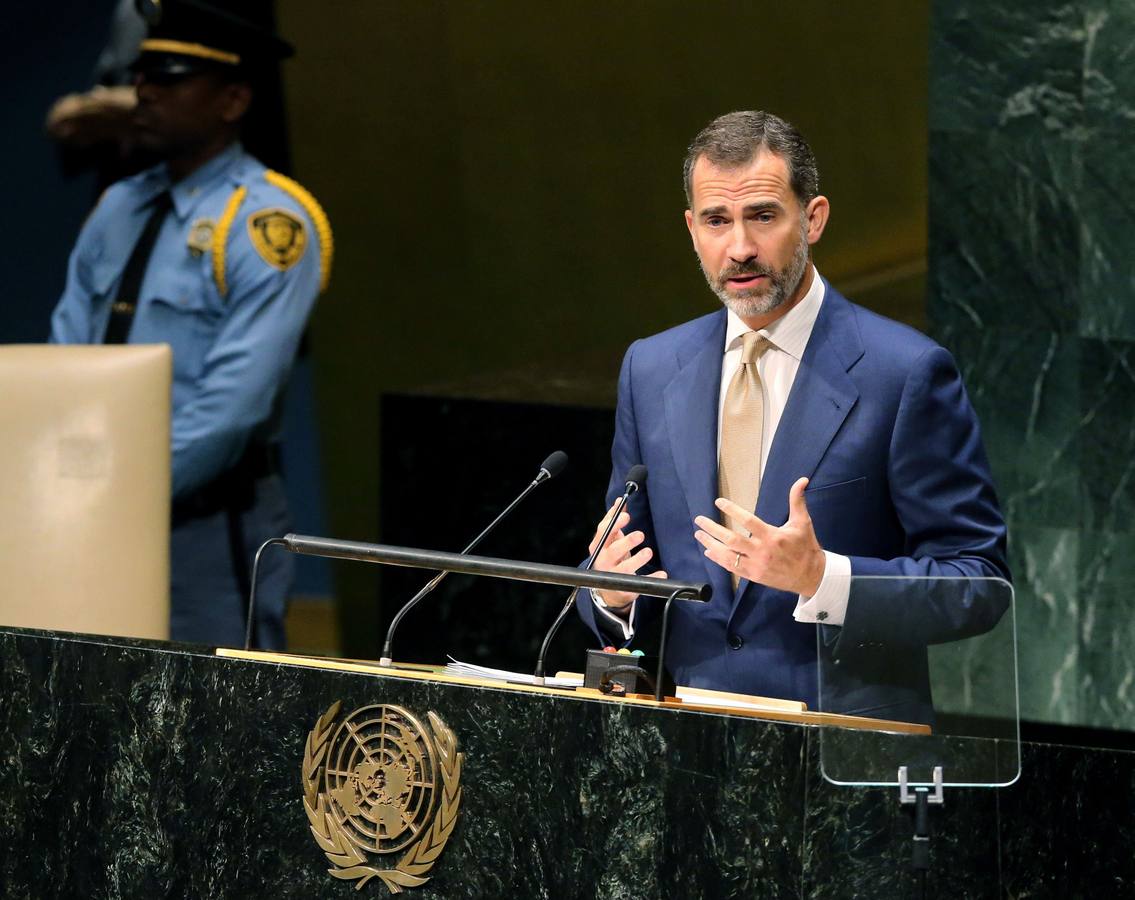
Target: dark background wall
50	50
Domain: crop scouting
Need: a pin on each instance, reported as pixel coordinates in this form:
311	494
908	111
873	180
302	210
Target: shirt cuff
625	624
829	604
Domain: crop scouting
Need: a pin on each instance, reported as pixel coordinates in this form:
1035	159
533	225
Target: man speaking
793	439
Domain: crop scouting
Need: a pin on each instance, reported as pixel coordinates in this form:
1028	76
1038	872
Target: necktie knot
752	346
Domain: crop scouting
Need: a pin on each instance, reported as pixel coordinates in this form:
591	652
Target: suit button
735	641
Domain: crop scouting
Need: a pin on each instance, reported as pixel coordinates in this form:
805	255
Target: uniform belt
233	489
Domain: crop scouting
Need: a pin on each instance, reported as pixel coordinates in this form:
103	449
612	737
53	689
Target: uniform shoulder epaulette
309	204
221	236
318	218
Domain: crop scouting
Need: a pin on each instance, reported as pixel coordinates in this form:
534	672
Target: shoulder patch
318	218
278	236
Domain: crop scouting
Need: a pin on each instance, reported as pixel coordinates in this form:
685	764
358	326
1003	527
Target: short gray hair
736	138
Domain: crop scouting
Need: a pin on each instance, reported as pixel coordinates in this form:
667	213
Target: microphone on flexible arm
549	469
635	481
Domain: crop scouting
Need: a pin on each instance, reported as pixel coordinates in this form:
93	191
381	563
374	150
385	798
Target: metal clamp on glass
920	798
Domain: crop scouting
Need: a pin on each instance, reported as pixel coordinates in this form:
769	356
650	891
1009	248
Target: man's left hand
788	558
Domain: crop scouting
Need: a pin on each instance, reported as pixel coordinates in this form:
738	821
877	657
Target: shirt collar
187	192
791	331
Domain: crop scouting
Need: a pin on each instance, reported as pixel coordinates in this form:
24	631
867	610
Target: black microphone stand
252	590
509	569
632	485
551	467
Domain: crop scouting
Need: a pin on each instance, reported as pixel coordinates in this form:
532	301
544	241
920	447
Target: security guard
222	259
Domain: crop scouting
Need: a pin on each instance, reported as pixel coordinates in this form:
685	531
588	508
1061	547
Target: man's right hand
622	555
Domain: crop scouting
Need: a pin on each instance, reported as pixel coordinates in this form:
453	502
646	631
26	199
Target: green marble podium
145	769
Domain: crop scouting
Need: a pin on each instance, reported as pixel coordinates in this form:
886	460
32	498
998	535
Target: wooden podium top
692	699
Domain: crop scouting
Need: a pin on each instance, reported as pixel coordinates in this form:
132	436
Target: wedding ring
737	561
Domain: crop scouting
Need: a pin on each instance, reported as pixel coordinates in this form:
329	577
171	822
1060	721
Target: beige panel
84	497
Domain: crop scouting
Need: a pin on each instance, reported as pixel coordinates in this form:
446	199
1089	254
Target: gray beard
783	284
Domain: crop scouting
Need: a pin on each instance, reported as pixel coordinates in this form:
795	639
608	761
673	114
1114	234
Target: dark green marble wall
136	770
1032	282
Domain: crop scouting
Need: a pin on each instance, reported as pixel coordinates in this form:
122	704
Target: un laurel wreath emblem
378	782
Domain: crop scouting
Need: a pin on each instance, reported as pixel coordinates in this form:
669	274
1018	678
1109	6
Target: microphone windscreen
554	464
637	476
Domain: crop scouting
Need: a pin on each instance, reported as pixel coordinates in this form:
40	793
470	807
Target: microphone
552	466
635	481
549	469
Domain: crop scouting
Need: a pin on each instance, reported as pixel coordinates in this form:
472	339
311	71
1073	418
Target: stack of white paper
468	670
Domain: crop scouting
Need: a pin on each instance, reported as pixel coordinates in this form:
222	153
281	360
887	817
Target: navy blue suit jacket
879	421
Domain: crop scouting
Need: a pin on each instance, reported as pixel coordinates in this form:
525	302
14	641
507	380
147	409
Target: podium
131	768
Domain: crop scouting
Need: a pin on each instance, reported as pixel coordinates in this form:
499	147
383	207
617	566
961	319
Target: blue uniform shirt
231	352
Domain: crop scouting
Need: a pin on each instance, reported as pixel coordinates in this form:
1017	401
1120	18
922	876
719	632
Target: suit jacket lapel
691	401
822	395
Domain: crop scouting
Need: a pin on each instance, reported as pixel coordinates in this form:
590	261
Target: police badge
379	782
200	238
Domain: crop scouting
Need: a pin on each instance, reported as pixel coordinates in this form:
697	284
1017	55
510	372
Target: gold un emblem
378	782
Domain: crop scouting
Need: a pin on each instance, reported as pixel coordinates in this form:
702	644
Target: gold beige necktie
742	421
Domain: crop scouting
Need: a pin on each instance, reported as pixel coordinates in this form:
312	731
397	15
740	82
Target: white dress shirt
777	368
